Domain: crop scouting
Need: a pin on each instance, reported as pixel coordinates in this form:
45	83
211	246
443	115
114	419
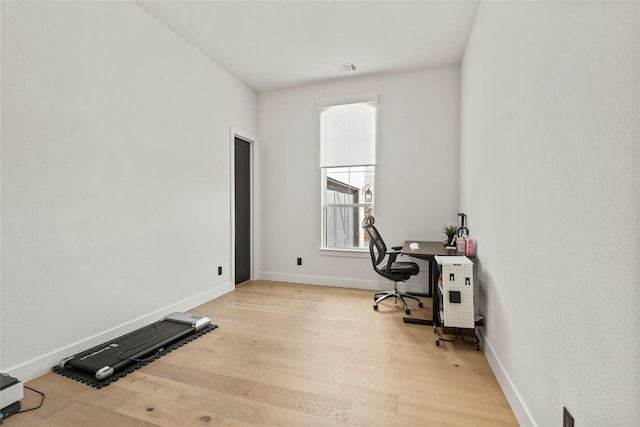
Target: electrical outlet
220	271
567	419
299	261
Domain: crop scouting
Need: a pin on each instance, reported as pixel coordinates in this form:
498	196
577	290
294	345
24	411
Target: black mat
88	377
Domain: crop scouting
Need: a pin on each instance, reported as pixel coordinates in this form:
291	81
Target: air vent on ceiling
346	68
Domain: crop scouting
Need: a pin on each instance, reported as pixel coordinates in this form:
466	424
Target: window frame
358	203
355	204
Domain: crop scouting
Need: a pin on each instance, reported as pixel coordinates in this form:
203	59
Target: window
345	206
348	141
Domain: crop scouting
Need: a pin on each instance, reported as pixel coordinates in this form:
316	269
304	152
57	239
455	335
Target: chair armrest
392	256
396	248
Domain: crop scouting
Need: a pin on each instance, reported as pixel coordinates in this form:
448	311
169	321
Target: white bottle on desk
461	244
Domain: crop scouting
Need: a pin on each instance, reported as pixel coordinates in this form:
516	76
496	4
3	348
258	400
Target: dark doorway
243	210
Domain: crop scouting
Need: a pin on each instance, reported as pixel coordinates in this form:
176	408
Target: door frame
245	136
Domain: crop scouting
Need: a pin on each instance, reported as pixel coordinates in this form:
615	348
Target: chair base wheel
375	307
420	305
408	311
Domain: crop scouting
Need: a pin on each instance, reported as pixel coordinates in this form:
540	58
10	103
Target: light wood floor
291	355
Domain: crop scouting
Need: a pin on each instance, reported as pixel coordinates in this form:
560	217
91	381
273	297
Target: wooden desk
426	251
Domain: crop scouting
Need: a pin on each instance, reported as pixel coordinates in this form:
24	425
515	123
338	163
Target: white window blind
348	131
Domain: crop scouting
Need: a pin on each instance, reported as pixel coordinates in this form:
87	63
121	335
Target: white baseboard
518	406
324	280
43	364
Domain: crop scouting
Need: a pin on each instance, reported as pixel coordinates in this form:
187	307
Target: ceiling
277	44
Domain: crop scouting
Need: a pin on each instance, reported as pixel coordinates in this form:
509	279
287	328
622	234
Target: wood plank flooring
291	355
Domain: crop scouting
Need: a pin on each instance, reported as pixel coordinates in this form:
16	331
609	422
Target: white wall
115	176
416	177
549	177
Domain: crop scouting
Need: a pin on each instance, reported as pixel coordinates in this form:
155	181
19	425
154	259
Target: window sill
345	252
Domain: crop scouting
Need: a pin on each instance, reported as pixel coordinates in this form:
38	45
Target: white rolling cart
455	298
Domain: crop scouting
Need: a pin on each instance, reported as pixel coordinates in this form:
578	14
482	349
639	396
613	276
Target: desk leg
433	278
430	282
418	321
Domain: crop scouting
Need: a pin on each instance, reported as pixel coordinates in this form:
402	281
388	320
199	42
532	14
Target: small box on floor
11	393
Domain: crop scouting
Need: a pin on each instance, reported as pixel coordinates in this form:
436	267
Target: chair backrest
377	248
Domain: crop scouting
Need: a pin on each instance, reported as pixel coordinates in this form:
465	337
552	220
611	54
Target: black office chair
392	270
